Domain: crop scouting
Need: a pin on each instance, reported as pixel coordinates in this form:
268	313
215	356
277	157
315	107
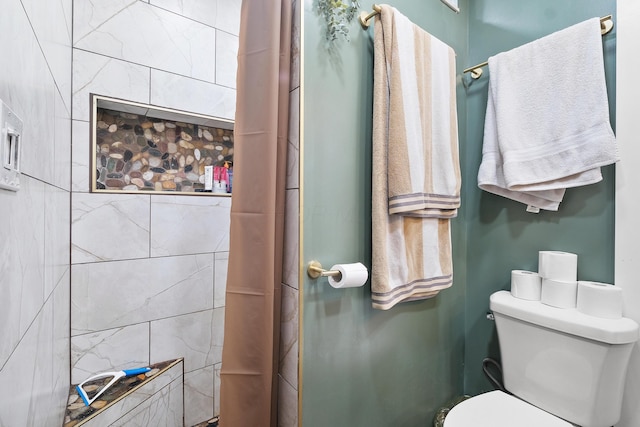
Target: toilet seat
498	409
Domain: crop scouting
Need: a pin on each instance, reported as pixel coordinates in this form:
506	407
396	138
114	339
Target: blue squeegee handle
136	371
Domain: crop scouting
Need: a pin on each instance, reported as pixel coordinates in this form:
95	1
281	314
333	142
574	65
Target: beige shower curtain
252	319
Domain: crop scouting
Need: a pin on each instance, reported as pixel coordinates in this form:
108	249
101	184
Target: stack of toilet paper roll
559	273
555	284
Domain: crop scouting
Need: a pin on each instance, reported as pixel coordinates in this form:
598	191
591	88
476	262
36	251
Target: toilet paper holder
315	270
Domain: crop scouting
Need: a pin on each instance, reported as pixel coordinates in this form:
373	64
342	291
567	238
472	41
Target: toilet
563	368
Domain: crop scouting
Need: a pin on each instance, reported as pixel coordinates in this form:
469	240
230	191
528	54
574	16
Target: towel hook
365	17
606	24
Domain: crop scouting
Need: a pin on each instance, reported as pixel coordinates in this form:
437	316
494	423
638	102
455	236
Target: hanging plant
337	14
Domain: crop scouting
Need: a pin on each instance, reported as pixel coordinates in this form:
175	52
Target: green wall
501	235
363	367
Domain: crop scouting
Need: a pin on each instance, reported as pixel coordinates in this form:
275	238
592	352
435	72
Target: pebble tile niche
138	152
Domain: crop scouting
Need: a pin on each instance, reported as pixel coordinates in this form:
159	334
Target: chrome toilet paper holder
315	270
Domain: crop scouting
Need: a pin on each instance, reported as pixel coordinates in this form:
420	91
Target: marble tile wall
221	14
204	97
109	227
34	232
149	271
143	51
164	409
289	330
113	294
123	347
200	387
136	32
189	225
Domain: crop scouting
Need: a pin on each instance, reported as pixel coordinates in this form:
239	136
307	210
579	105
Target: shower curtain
248	396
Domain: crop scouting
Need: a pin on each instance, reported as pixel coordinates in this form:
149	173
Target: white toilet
564	368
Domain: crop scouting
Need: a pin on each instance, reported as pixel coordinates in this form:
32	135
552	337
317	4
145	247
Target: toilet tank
563	361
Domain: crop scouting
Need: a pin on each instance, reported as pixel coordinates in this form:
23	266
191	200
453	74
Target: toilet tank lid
568	320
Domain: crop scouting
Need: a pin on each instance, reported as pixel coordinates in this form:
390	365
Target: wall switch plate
10	148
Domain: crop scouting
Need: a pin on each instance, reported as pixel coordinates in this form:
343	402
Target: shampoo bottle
230	175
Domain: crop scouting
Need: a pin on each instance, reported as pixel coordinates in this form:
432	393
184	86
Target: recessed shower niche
144	148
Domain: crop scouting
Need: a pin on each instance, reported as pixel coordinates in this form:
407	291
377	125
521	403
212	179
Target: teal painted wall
501	235
363	367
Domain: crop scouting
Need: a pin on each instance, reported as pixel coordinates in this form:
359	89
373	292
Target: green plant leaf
337	15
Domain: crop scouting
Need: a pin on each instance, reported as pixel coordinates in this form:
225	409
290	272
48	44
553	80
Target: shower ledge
151	399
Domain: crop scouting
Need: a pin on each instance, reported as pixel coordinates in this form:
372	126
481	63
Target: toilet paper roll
351	275
526	285
558	293
557	265
599	299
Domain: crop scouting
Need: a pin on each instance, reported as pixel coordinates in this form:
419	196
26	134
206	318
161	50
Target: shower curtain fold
248	396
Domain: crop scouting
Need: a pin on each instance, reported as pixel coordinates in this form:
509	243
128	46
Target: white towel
416	173
547	122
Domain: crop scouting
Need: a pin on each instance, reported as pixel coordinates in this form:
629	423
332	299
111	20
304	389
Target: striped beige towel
416	171
424	170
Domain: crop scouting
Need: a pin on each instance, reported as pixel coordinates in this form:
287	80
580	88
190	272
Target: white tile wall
51	22
222	14
61	141
290	263
287	404
80	152
57	223
216	389
196	336
29	88
204	12
26	252
226	59
34	247
109	350
107	76
141	33
295	44
164	409
189	224
289	326
142	52
21	261
228	16
36	370
115	60
108	227
289	335
182	93
61	325
88	16
220	285
293	139
34	356
198	395
152	265
107	295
